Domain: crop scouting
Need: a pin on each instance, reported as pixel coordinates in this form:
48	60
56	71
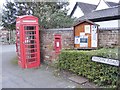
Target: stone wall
107	38
47	42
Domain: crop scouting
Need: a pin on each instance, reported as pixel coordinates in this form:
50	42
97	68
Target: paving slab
89	85
83	82
78	79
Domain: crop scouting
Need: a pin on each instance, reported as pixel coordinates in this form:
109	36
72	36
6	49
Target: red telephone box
57	43
27	41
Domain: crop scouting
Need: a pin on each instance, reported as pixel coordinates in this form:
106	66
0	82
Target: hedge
79	62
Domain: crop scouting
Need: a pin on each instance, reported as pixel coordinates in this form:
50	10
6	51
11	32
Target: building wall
112	24
102	5
78	13
107	37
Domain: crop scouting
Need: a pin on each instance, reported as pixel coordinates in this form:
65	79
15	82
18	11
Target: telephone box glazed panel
27	41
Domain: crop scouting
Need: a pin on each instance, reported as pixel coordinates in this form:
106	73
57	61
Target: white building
105	13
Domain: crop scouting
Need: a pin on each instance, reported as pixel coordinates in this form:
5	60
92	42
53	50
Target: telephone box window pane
31	60
30	32
29	27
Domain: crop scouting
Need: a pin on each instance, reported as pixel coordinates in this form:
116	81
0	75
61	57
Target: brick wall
47	42
107	37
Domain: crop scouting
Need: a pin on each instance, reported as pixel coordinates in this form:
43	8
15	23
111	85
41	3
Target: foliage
23	8
80	63
8	16
11	11
50	14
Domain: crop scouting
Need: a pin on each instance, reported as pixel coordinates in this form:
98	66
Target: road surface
15	77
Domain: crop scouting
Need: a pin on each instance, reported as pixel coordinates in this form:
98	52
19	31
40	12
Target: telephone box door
31	46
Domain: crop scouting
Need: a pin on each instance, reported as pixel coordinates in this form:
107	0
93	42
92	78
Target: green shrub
80	63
